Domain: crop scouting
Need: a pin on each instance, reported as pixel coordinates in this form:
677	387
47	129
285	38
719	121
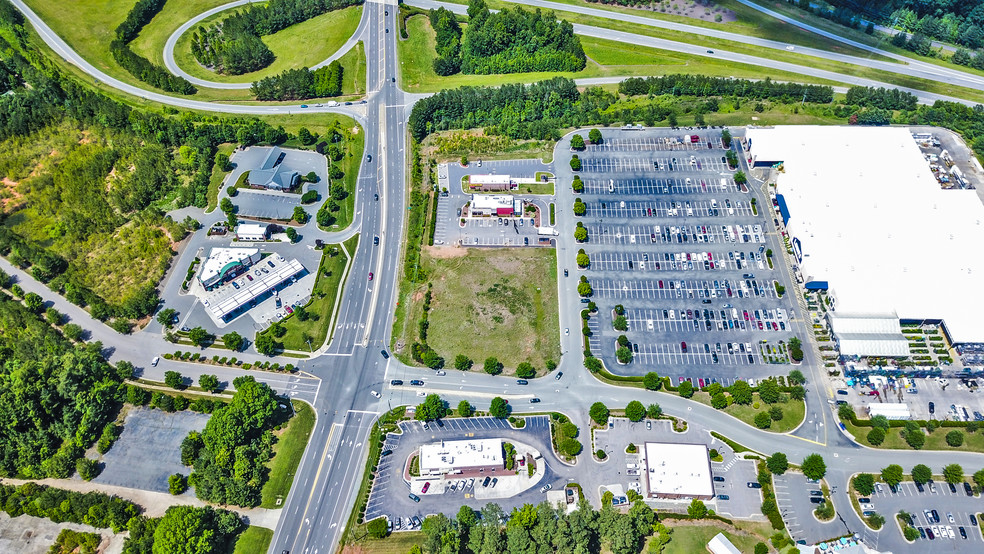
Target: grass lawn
253	539
793	412
327	288
450	146
287	455
973	442
302	45
510	294
534	188
354	70
606	58
687	539
150	42
217	177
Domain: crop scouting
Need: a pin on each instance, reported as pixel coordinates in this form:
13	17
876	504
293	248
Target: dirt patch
9	194
704	10
445	252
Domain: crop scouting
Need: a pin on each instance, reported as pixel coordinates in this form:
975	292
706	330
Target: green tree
173	379
846	412
761	547
432	408
635	411
624	354
599	413
582	259
796	377
979	479
377	527
467	518
740	178
291	234
580	233
188	530
594	135
762	420
575	163
881	422
265	344
577	142
892	475
493	366
777	463
525	370
499	408
654	411
199	336
696	509
33	301
864	483
719	401
584	288
177	484
233	341
955	438
652	381
953	473
775	413
300	215
208	382
922	474
686	389
876	436
915	438
88	469
741	392
166	317
814	467
592	364
462	362
726	138
620	323
579	207
465	409
72	331
769	391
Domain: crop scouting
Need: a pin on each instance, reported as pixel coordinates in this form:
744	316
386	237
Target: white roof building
224	262
869	334
489	179
678	470
721	545
228	306
251	231
868	219
495	204
456	456
890	410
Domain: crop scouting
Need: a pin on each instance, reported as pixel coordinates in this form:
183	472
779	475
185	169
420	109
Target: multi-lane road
338	382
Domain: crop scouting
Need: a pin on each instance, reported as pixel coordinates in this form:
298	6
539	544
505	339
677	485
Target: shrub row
216	360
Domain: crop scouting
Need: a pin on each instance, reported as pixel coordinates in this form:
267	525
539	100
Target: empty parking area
685	250
796	497
953	507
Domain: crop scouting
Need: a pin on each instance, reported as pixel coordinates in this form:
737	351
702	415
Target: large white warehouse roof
873	222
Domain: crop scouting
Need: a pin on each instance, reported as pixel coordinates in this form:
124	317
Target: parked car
396	382
719	479
754	485
414	497
155	361
427	486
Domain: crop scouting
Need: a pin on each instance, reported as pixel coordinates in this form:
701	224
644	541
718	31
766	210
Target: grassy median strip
253	539
287	455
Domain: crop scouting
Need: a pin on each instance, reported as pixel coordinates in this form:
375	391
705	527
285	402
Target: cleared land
302	45
507	296
605	59
287	455
687	538
450	146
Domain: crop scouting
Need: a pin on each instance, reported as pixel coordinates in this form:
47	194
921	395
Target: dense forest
137	65
233	45
299	84
512	40
86	181
55	398
184	530
92	508
229	455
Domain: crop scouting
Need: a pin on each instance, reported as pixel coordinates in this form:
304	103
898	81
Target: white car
374	393
949	531
567	331
155	361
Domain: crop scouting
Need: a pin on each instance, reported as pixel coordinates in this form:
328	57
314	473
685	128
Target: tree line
138	66
300	84
233	45
448	41
184	530
703	85
91	508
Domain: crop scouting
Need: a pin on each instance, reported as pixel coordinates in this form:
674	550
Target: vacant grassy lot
150	42
327	288
499	302
217	176
793	412
450	146
354	70
605	58
302	45
973	442
690	537
253	539
287	455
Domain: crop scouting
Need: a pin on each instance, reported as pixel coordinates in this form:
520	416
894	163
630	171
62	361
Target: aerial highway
337	383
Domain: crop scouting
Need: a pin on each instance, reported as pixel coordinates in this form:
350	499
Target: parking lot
390	495
734	472
675	241
920	505
952	398
149	449
793	496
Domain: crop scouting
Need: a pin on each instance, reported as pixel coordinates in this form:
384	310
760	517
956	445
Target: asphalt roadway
338	382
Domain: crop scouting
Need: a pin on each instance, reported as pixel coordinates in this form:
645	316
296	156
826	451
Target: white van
155	361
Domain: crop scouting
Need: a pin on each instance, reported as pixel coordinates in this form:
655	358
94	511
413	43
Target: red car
370	276
427	485
683	346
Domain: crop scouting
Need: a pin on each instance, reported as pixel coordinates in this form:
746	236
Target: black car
932	408
922	533
963	532
719	479
375	241
817	500
754	485
396	382
385	453
816	493
414	497
485	483
952	487
534	400
522	382
968	490
919	487
559	375
375	197
385	354
417	383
